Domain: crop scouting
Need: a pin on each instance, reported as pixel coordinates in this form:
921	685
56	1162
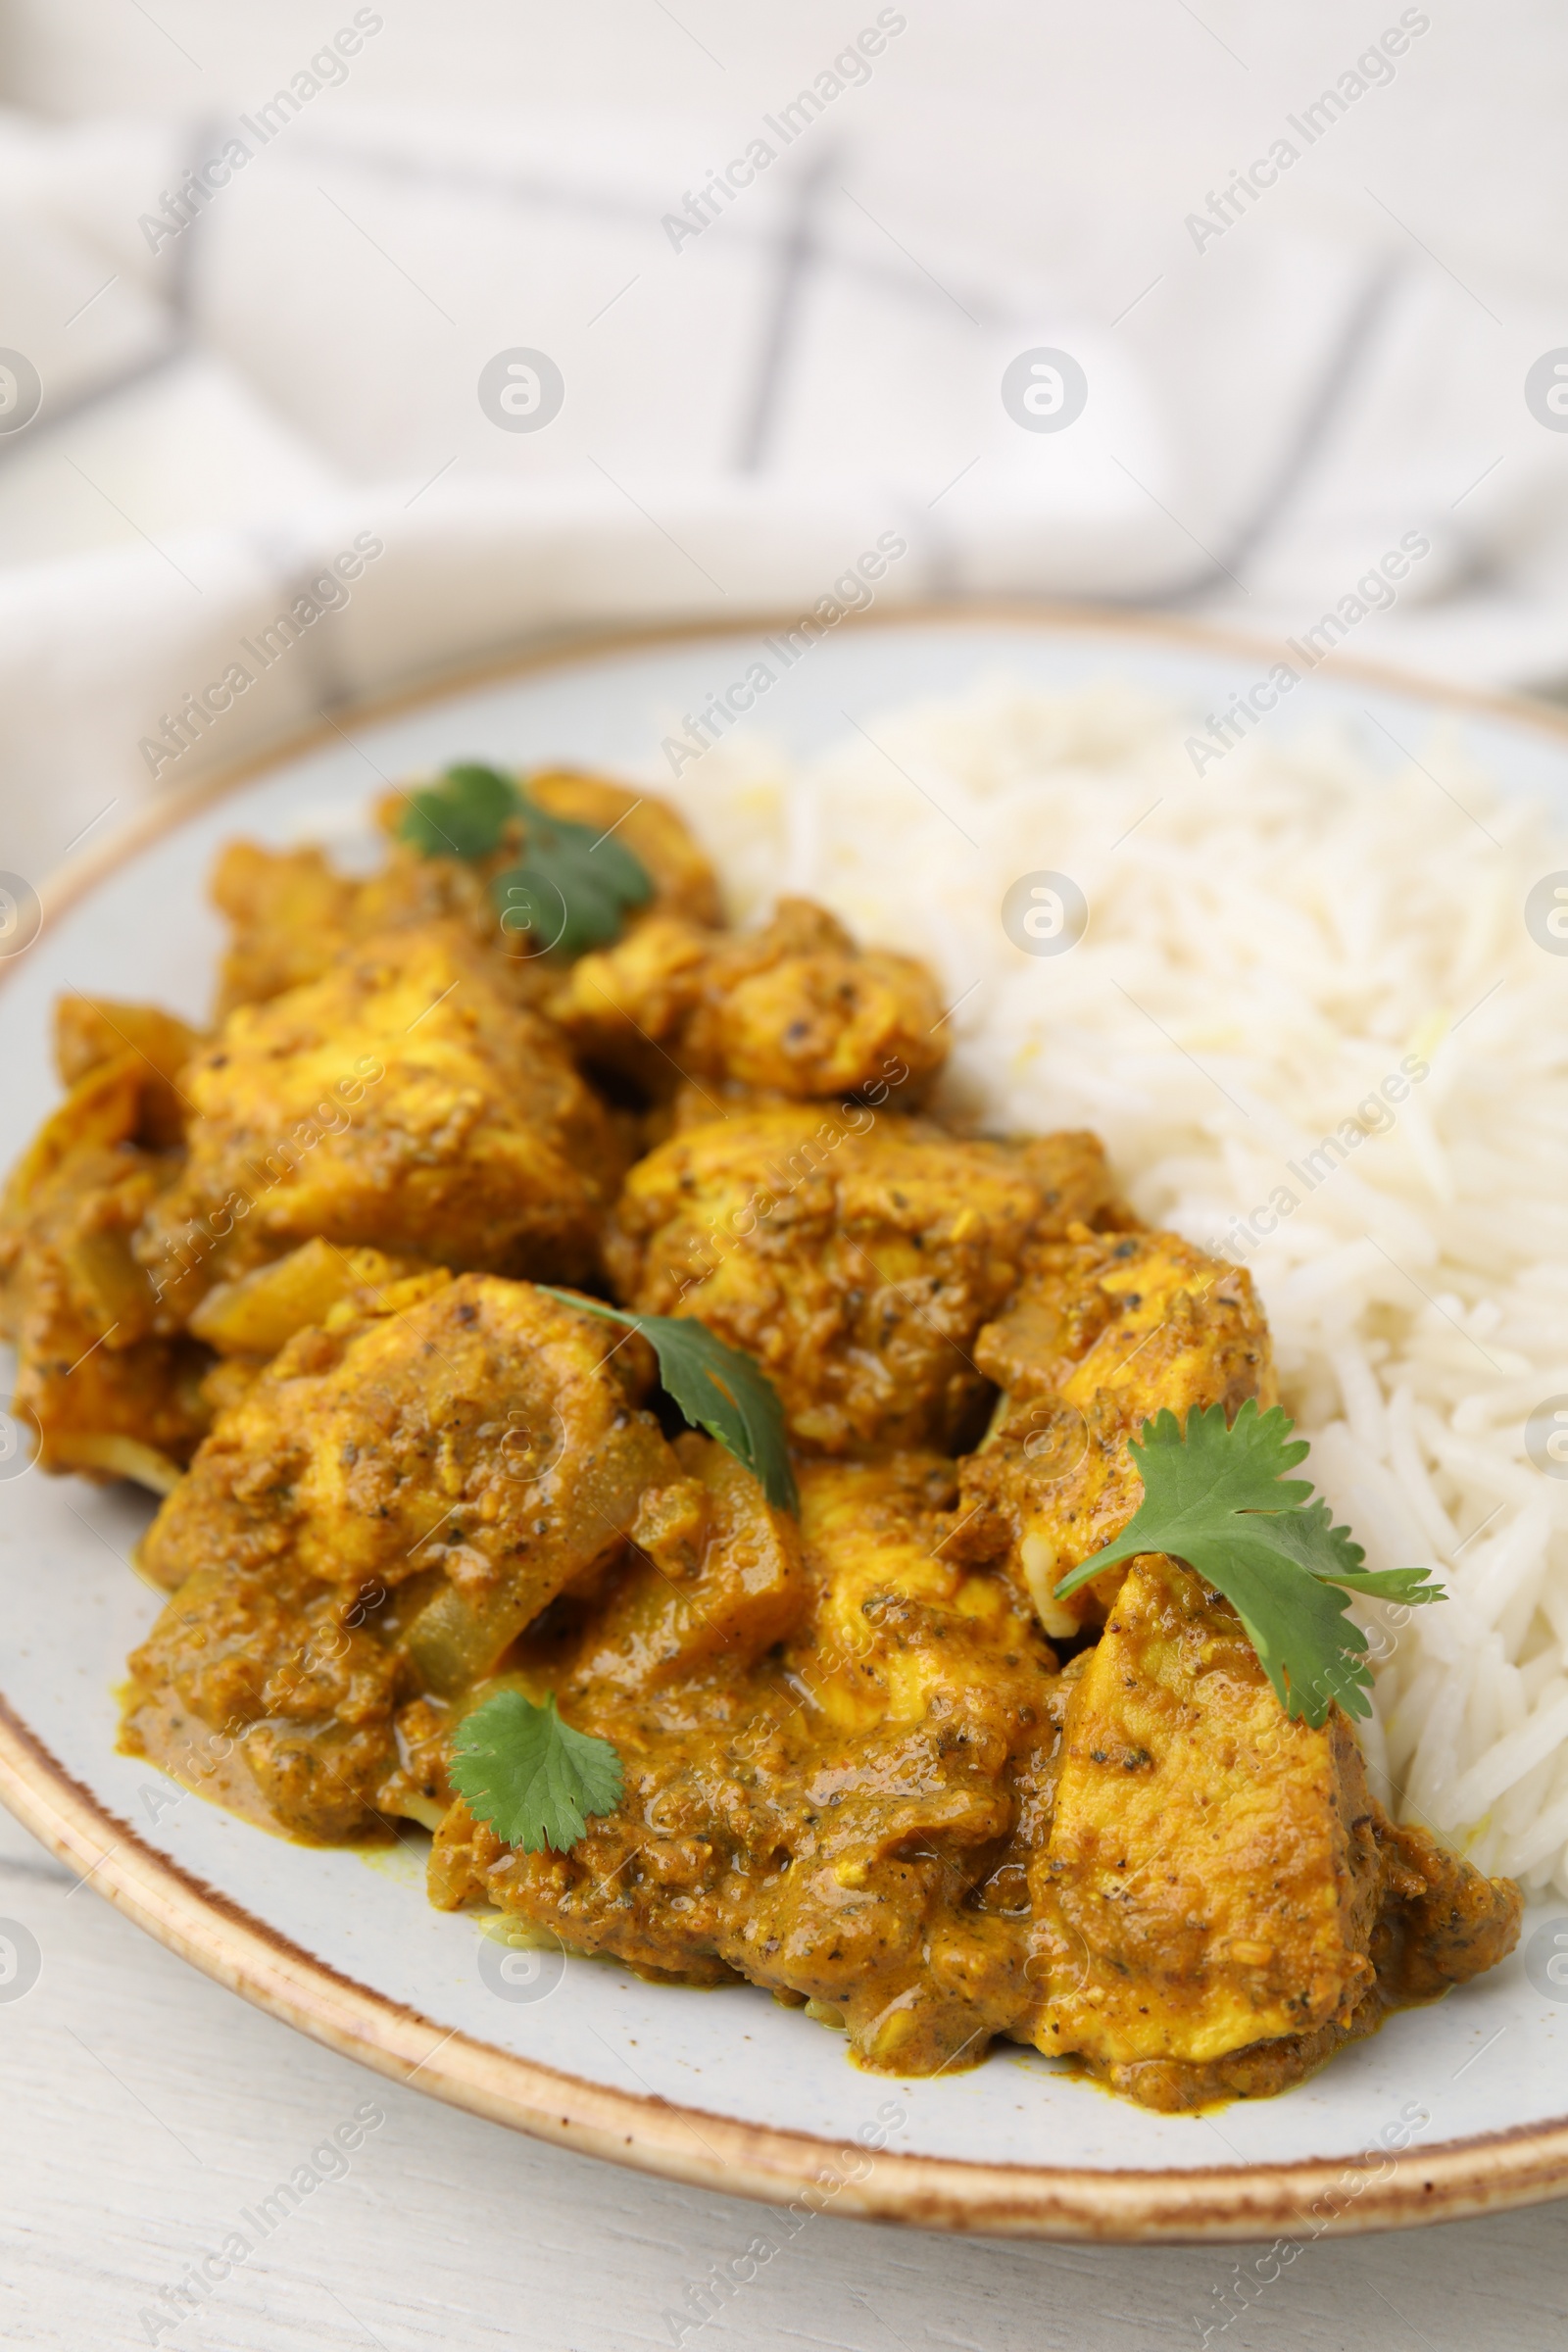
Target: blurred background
504	322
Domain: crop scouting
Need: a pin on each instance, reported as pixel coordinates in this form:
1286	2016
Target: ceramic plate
722	2088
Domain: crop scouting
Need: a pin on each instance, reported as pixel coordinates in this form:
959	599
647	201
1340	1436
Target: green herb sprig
718	1388
571	889
533	1778
463	816
1220	1498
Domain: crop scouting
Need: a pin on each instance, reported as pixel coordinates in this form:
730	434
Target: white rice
1264	947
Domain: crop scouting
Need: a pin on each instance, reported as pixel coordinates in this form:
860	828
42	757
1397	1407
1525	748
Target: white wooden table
145	2110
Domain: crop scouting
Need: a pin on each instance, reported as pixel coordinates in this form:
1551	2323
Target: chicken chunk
373	1522
1213	1872
797	1009
1220	1903
292	913
404	1102
268	1693
108	1392
857	1257
1103	1331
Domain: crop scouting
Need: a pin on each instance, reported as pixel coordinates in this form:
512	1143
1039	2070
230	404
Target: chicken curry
309	1274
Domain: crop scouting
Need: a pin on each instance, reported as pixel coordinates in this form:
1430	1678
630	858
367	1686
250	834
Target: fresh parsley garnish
1219	1498
571	888
718	1389
530	1776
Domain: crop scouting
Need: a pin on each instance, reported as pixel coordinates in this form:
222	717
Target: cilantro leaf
1219	1498
1310	1540
718	1388
530	1776
573	887
463	816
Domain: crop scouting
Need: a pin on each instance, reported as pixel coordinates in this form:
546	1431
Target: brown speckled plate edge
1448	2181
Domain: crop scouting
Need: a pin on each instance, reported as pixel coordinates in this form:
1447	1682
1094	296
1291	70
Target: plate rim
1451	2180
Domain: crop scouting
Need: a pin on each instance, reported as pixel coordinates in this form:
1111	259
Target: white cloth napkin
273	409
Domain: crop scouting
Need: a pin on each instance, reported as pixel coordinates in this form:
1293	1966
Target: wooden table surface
146	2111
